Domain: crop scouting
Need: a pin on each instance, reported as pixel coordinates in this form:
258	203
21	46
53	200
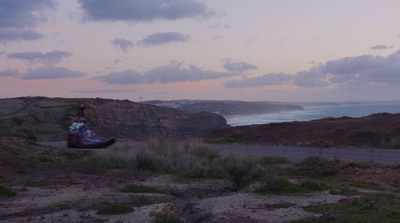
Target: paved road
30	107
294	154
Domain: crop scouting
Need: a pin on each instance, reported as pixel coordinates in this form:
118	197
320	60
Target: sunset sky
256	50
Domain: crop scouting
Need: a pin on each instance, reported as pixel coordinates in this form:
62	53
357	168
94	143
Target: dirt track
30	107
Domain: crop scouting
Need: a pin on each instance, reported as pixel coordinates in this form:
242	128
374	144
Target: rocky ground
52	185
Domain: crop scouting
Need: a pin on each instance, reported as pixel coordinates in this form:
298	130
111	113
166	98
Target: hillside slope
378	130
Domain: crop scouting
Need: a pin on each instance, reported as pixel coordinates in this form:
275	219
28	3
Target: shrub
316	166
276	185
144	160
239	168
281	184
6	192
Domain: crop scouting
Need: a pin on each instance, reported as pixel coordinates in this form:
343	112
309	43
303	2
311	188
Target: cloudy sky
272	50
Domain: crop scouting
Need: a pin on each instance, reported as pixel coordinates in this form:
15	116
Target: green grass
6	192
115	209
167	216
282	185
369	208
317	167
63	206
36	184
226	140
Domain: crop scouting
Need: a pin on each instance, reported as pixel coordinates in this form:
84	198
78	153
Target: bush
316	166
6	192
281	184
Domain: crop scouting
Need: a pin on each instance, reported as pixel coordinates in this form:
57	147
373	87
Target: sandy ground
75	197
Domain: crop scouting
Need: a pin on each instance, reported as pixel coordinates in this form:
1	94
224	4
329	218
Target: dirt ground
65	191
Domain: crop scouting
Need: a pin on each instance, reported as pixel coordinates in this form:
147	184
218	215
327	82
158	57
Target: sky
257	50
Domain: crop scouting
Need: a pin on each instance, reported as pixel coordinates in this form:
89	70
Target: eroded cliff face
126	119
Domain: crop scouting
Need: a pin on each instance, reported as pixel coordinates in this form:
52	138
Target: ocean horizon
313	112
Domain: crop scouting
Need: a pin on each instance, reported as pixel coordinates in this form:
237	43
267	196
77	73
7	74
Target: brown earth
52	186
378	130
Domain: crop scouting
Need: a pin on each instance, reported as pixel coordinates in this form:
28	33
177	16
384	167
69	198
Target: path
30	107
294	154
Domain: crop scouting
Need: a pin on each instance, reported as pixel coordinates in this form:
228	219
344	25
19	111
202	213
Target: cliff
49	119
227	108
129	120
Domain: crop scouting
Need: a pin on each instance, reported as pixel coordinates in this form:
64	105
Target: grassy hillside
48	120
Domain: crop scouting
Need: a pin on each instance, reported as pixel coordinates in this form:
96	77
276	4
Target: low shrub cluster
115	209
228	139
189	160
281	184
368	208
317	166
6	192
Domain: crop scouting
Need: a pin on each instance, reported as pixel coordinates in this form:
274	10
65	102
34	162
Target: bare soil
52	187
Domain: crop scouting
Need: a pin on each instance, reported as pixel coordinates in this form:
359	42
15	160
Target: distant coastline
318	111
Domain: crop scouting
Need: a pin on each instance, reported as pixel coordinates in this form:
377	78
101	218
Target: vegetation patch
226	140
6	192
191	160
282	185
317	166
166	216
63	206
133	188
364	165
36	184
369	208
367	185
364	137
115	209
272	160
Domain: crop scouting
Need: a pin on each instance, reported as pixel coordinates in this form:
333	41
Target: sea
313	111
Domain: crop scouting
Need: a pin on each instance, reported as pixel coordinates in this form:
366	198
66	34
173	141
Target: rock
126	119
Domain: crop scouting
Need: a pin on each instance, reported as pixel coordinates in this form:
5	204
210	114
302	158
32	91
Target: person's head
81	107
